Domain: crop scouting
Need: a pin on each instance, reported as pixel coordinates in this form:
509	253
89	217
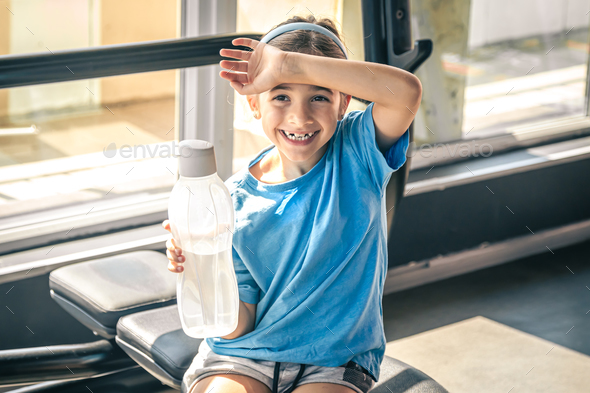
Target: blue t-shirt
312	254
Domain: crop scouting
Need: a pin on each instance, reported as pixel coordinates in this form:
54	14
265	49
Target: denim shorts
207	363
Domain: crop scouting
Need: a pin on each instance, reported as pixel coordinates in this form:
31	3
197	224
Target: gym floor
544	295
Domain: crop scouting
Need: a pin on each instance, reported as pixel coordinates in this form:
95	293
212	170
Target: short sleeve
359	128
247	287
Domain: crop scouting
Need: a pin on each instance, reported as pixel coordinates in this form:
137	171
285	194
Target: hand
173	252
261	70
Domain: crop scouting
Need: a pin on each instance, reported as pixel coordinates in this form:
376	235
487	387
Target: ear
343	106
254	105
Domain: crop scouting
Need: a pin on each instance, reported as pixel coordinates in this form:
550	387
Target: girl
309	249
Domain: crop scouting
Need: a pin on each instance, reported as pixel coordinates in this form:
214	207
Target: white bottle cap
196	158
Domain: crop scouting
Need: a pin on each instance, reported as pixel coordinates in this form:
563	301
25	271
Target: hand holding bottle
173	252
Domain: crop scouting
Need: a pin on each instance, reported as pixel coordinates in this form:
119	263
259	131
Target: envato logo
169	149
160	150
466	149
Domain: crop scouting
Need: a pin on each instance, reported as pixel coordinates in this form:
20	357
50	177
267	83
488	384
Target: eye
322	97
282	95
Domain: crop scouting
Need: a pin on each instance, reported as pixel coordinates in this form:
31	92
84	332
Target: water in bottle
201	218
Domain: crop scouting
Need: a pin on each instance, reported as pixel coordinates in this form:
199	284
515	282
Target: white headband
303	26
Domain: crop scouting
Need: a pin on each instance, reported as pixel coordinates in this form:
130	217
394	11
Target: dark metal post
388	40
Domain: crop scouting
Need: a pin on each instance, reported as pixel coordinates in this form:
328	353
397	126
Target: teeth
298	138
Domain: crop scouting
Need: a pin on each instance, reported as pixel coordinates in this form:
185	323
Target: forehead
301	87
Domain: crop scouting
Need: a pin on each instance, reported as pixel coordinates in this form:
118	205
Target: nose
299	115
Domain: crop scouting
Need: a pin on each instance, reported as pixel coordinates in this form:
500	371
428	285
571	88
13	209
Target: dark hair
307	41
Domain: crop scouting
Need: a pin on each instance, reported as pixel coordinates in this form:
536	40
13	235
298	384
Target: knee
230	383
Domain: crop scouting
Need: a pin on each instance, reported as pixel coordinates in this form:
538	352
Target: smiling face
298	109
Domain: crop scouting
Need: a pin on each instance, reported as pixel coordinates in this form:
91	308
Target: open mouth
299	137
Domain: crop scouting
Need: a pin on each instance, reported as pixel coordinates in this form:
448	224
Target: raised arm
395	92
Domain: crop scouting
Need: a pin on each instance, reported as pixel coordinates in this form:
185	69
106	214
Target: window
63	144
497	66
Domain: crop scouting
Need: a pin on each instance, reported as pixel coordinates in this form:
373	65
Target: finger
234	77
235	66
175	269
231	77
236	54
177	248
170	244
243	41
175	259
166	224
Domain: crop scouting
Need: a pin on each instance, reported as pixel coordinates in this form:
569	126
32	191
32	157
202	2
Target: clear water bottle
201	215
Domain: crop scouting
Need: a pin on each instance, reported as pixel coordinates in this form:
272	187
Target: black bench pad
99	292
156	341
